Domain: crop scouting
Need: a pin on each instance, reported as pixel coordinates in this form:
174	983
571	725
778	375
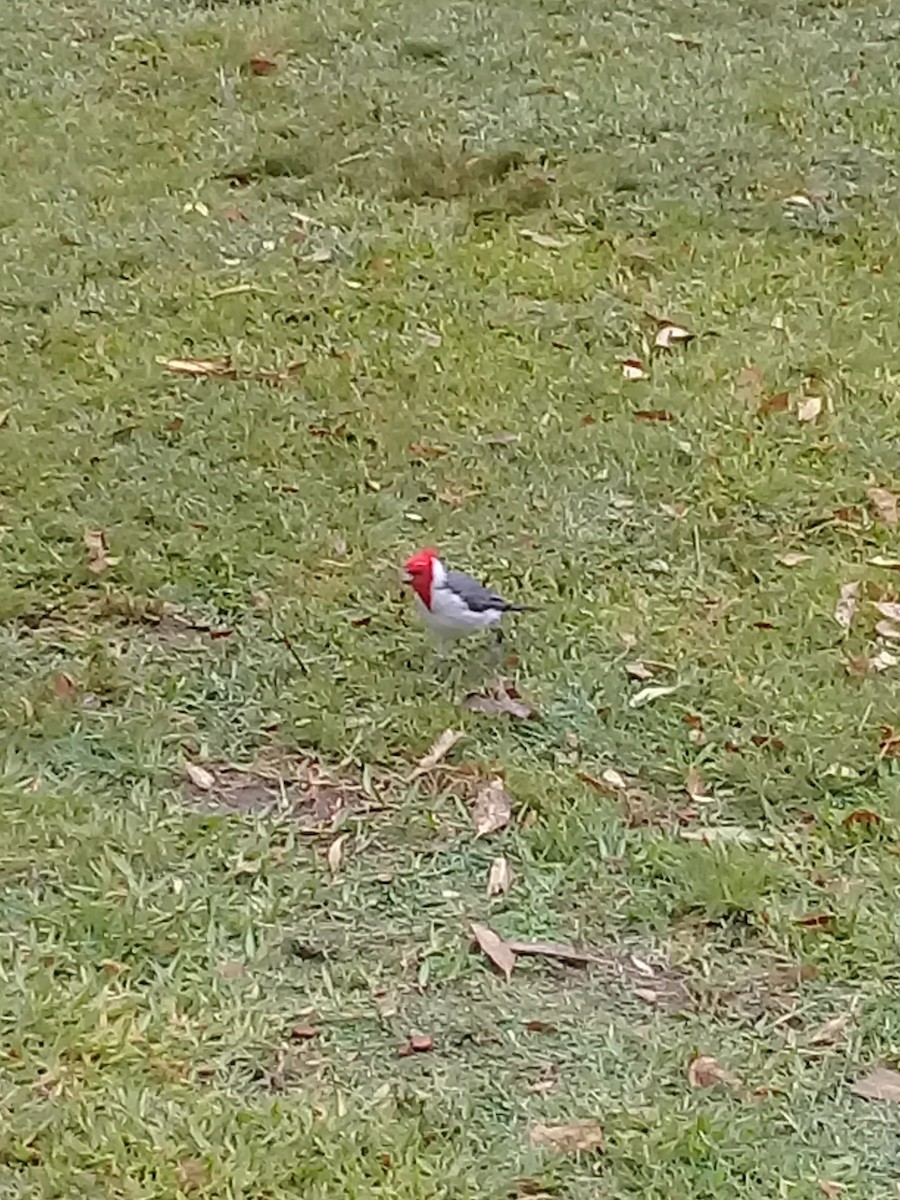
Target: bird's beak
405	577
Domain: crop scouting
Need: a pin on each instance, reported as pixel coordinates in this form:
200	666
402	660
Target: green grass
155	956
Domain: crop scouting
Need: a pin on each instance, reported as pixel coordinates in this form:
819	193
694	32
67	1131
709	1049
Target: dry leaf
492	808
416	1043
95	544
653	415
779	402
809	408
831	1031
568	1137
538	1026
304	1033
558	950
864	664
862	816
679	40
793	559
695	787
648	694
885	629
64	687
200	368
439	750
422	451
670	335
831	1189
704	1072
191	1175
638	670
200	777
499	700
633	368
884	504
882	560
848	601
729	835
880	1084
496	949
499	877
614	779
543	239
889	609
262	66
336	853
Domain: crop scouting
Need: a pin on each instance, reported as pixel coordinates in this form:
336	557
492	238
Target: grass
363	213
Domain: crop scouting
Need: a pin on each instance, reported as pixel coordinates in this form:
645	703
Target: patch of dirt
278	782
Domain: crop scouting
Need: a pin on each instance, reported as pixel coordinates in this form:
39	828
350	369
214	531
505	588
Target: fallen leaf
670	335
729	835
798	200
422	451
704	1071
64	687
499	877
638	670
495	948
4	416
648	694
538	1026
95	544
232	970
501	439
880	1084
862	816
830	1031
262	66
884	504
679	40
882	560
890	742
304	1033
200	368
552	950
831	1189
492	808
191	1175
847	604
793	559
416	1043
865	664
633	368
499	700
652	415
438	751
817	920
779	402
199	776
568	1137
889	609
234	214
695	787
336	853
809	408
543	239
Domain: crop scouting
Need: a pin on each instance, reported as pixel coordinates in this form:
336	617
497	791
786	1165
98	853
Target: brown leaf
880	1084
304	1033
492	808
259	65
653	414
200	368
831	1031
191	1174
847	604
499	700
885	629
558	950
884	505
633	369
809	408
438	751
199	776
816	920
538	1026
416	1043
336	853
889	746
704	1072
495	948
499	877
95	544
638	670
422	451
64	687
831	1189
774	404
695	787
671	335
862	816
568	1137
864	664
234	214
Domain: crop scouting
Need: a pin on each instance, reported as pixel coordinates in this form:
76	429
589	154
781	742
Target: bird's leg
496	648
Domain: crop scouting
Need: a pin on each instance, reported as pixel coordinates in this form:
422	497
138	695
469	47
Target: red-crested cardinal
451	603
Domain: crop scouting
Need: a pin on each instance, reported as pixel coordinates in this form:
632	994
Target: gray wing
476	596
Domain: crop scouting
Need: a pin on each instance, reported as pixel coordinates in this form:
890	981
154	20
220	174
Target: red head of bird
418	572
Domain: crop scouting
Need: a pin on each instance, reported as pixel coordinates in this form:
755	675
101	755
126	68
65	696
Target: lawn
291	290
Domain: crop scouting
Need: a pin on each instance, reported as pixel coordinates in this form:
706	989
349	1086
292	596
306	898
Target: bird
451	603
